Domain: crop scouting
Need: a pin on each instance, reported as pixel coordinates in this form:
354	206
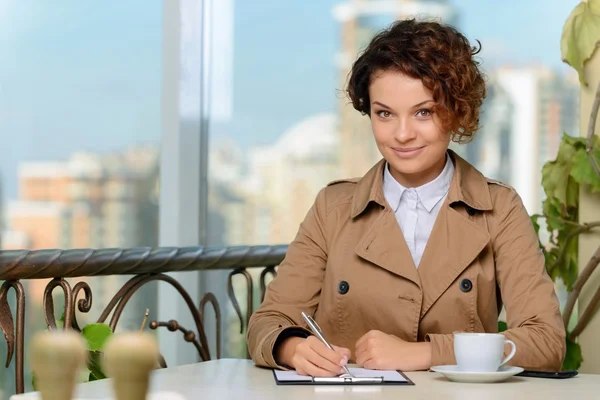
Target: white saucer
452	373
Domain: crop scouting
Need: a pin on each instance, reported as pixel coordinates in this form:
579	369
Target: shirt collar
392	190
468	186
429	194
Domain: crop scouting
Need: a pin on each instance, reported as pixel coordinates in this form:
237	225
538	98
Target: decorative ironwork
231	294
83	305
8	328
263	280
147	265
48	304
173	326
210	298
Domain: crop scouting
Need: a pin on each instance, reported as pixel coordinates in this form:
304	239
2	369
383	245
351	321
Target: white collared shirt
417	208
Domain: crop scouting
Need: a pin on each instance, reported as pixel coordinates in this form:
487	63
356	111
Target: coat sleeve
296	288
533	315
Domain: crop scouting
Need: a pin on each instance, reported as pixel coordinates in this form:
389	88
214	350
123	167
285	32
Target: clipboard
359	376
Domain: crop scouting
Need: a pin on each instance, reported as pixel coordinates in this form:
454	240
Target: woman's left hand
378	350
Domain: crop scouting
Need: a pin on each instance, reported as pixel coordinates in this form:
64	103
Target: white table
240	379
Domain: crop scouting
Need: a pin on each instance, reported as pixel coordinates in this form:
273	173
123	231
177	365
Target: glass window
80	110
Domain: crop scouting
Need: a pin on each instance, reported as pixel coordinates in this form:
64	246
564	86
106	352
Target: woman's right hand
311	357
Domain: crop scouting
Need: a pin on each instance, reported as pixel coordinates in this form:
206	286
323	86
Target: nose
405	132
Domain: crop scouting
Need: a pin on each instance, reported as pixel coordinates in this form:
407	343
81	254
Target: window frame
184	158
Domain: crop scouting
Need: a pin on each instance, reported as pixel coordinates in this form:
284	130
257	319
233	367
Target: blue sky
85	74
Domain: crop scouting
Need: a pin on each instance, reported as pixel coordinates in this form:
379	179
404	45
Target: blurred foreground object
56	358
129	358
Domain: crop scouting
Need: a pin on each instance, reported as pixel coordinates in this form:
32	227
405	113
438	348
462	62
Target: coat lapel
454	243
384	245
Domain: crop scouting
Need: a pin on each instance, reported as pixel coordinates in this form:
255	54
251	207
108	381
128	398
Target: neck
420	178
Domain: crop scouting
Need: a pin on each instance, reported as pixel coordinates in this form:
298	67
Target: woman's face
408	133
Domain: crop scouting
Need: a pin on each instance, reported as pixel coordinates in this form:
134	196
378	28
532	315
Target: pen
312	324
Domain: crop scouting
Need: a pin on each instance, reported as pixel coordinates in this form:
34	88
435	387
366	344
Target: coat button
343	287
466	285
470	211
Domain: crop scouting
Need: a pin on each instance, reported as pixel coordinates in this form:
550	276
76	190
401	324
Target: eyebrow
415	106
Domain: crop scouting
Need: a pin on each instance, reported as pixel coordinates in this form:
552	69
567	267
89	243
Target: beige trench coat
349	266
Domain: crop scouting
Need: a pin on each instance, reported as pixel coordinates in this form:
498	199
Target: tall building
558	112
88	201
360	20
489	151
544	105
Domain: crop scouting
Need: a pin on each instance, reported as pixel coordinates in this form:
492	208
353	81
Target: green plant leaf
552	210
572	193
536	224
575	141
96	335
556	174
573	358
580	36
551	266
554	180
582	170
95	366
502	326
571	263
568	265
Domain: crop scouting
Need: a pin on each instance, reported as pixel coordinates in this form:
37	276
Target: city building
489	150
88	201
544	105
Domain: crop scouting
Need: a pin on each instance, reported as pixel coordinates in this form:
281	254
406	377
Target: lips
407	152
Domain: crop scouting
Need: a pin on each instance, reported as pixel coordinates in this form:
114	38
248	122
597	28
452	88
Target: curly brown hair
437	54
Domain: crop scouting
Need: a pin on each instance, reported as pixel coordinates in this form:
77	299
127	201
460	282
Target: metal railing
146	264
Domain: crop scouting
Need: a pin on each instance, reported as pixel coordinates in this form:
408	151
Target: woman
423	245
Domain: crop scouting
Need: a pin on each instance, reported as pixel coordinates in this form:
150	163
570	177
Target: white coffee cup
481	352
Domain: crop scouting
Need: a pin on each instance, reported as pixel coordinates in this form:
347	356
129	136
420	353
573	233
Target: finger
345	352
311	369
370	364
362	347
316	358
363	354
360	344
300	371
331	355
361	341
364	339
362	357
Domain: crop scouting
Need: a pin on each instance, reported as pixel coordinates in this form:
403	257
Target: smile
408	152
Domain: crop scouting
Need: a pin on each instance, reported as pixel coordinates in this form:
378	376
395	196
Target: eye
384	114
424	113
